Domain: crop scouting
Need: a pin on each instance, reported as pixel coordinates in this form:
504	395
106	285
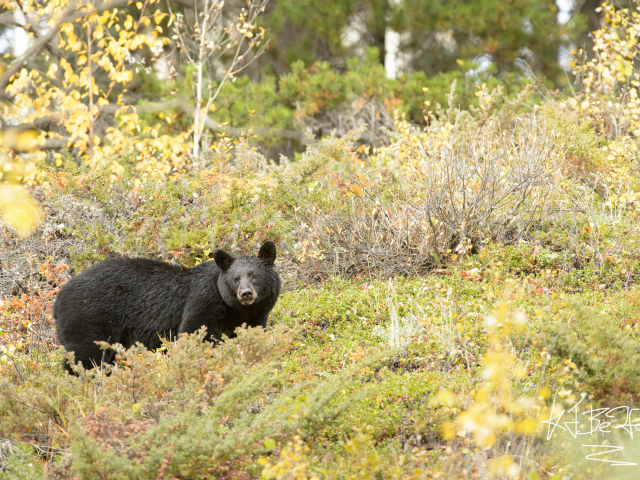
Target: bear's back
140	265
121	293
121	275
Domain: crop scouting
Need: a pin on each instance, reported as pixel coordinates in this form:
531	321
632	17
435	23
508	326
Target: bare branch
9	18
179	102
55	143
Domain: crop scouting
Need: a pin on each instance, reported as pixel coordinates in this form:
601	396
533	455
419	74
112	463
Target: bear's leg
210	316
90	355
262	320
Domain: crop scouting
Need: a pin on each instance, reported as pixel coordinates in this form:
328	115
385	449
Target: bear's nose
246	295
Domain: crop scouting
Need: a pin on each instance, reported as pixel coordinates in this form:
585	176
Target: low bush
195	410
434	196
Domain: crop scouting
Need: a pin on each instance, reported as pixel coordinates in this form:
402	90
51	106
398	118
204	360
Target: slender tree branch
54	50
71	14
55	143
41	122
37	124
9	18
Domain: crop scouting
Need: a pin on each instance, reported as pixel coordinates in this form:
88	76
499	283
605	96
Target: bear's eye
253	276
237	279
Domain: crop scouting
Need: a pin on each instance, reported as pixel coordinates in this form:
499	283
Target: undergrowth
445	295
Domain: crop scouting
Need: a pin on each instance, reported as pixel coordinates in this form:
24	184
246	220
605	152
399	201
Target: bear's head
247	280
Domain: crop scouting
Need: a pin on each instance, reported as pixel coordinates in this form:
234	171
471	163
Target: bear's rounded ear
267	253
222	259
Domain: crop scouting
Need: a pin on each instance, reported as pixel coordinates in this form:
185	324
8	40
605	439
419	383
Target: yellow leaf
26	141
19	141
504	467
544	393
447	430
356	189
136	408
446	397
7	138
82	60
53	68
18	209
528	426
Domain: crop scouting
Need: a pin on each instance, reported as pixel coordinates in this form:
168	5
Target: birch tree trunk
199	116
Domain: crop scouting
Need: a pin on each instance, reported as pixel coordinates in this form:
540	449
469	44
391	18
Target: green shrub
190	411
605	354
320	92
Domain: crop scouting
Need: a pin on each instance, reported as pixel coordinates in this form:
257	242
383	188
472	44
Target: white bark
391	47
392	62
197	126
198	122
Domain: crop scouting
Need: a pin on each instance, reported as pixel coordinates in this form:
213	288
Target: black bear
127	300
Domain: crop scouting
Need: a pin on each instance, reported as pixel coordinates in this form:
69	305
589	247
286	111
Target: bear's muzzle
247	296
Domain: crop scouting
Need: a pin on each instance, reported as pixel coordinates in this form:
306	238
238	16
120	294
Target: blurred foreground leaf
24	141
18	209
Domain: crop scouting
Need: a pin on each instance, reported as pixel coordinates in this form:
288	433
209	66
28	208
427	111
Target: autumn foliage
448	287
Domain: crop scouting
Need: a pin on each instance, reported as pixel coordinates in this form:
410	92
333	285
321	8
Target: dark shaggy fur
128	300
